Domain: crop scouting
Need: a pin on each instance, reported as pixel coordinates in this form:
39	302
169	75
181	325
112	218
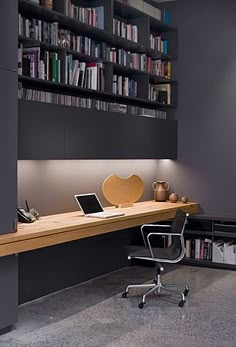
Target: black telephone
25	217
28	216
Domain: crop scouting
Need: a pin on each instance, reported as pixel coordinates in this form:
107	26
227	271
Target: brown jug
160	189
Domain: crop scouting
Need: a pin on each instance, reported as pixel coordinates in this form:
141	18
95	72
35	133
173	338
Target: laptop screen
89	203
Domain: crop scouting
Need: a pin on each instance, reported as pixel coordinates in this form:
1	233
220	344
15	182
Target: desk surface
65	227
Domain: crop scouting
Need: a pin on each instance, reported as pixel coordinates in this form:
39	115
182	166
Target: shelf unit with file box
132	104
216	241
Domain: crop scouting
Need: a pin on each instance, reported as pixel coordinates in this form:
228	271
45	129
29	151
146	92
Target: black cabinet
9	34
8	150
41	131
9	291
210	242
49	131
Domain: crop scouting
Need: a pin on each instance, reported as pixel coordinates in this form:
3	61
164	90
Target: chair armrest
157	225
163	234
157	232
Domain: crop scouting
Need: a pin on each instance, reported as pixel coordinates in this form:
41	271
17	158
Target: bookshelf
215	239
124	88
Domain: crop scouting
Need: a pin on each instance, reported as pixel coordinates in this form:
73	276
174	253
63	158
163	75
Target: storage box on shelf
211	241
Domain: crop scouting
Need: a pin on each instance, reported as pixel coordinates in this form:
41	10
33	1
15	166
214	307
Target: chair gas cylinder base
173	253
158	286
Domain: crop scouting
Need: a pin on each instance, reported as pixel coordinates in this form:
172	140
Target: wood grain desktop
65	227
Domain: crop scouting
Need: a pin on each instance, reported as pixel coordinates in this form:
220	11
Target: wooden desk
60	228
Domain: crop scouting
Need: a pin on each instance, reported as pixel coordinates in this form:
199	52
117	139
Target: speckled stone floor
95	314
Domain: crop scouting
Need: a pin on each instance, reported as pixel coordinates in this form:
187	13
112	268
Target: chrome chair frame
156	284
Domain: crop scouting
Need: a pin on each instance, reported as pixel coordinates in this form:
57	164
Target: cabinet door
107	135
41	131
8	290
9	34
8	150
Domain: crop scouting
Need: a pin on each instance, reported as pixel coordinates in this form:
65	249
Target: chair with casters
173	253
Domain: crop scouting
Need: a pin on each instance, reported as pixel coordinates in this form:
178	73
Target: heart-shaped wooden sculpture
123	192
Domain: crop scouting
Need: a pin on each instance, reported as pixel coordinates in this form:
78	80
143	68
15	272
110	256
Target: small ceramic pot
173	197
184	199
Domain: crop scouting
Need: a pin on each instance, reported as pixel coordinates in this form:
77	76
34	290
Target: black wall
206	69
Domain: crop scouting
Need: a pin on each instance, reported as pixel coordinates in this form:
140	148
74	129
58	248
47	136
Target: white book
76	81
197	248
188	248
40	30
27	26
119	83
94	77
41	70
20	24
74	68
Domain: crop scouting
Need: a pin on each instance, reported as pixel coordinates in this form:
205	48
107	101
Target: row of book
140	62
38	29
224	252
42	31
127	31
199	249
93	16
218	251
159	44
124	86
37	63
160	93
161	68
81	102
49	33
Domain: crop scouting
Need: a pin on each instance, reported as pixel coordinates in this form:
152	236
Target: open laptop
92	207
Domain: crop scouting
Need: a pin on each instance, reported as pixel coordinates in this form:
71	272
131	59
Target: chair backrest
179	222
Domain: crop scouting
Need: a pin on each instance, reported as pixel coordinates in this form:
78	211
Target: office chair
171	254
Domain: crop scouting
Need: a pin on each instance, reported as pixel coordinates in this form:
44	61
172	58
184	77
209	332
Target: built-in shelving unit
216	239
139	101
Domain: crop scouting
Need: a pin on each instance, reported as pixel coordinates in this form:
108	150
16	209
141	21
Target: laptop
92	207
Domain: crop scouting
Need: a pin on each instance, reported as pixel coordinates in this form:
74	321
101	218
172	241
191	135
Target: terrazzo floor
95	314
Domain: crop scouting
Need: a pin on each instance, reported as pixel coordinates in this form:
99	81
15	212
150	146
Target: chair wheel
124	295
186	291
181	303
141	305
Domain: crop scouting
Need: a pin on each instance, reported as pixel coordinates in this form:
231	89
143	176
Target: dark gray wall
206	166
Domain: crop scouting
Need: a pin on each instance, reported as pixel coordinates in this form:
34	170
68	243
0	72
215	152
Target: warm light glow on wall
50	185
